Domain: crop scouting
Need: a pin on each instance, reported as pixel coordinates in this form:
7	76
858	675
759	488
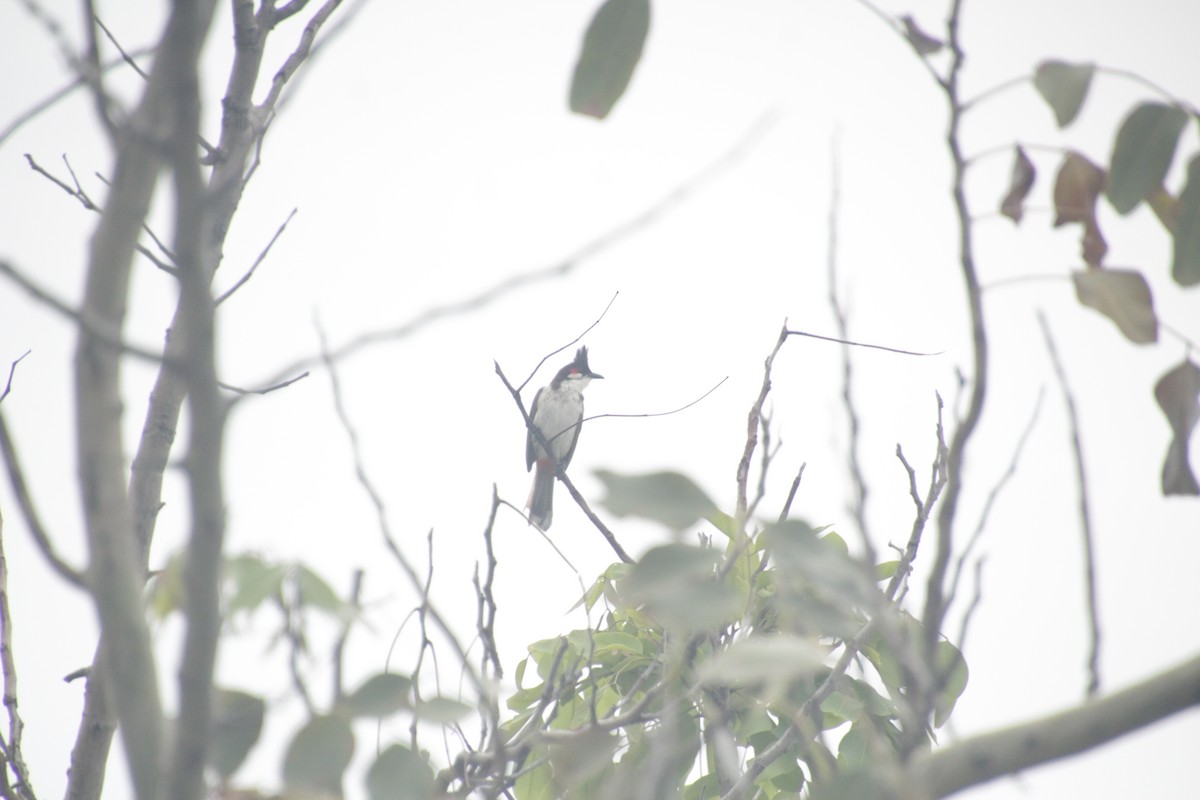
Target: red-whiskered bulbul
558	413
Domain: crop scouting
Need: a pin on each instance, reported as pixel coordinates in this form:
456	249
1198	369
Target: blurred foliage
722	649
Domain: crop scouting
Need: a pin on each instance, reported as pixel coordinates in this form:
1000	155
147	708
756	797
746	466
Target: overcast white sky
430	154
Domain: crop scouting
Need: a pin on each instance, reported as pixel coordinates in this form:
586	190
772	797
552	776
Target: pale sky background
431	154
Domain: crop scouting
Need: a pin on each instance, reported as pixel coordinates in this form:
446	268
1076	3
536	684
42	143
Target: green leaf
316	592
442	710
536	783
886	570
167	590
843	707
1185	262
253	581
772	662
236	724
665	497
873	702
1123	296
705	788
400	774
380	696
1064	87
677	585
952	674
723	523
581	757
854	750
1178	395
1142	153
823	561
617	642
855	785
318	755
612	47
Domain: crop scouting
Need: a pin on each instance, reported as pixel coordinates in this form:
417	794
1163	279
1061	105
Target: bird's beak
593	376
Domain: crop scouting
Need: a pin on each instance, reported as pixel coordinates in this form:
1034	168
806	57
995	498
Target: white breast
558	414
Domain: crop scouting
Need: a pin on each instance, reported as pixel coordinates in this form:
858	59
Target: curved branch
1067	733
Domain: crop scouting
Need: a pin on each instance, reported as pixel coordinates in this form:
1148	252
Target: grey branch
1004	752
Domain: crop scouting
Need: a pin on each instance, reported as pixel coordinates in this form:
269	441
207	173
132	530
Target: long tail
541	496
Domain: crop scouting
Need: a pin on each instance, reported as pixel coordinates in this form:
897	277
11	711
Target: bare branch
858	504
569	344
852	343
600	526
93	328
264	390
389	541
795	487
33	520
568	265
1005	752
561	474
86	201
683	407
993	495
52	99
752	424
13	756
339	648
938	477
250	272
1085	515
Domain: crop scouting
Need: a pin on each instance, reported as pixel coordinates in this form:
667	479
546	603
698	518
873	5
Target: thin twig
16	727
994	495
540	438
569	344
293	631
791	497
752	427
853	343
644	220
33	520
1085	515
16	476
77	191
262	255
48	102
339	647
858	504
683	407
265	389
600	526
389	541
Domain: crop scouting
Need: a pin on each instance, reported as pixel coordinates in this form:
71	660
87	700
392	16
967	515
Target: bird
557	414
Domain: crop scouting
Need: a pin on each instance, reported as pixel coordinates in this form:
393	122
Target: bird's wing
574	435
529	457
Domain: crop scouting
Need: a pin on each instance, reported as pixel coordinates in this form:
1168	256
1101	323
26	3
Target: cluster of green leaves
1142	154
319	753
707	656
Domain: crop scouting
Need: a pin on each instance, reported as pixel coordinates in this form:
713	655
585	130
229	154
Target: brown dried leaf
921	41
1078	183
1178	395
1023	176
1123	296
1092	245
